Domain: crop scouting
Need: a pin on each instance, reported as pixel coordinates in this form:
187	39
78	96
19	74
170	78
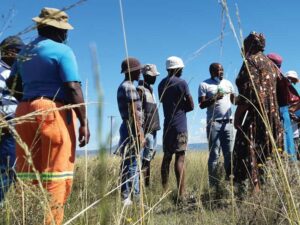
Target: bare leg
146	172
179	168
256	188
165	169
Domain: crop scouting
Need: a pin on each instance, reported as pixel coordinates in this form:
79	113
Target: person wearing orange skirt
49	81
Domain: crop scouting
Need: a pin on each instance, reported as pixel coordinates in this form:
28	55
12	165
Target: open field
96	180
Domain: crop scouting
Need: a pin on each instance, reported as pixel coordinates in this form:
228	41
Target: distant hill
192	147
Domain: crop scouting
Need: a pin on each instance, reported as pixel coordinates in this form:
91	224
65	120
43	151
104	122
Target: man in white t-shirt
216	94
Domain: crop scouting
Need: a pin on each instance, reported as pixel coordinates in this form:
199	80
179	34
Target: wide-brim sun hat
150	69
174	62
53	17
292	74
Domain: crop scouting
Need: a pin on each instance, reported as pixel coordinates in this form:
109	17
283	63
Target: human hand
84	135
219	96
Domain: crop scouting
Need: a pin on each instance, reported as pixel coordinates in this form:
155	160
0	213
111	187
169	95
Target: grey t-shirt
222	108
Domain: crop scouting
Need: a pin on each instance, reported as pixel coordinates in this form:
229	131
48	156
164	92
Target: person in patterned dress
259	131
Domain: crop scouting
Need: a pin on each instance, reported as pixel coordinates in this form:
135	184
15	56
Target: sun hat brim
51	22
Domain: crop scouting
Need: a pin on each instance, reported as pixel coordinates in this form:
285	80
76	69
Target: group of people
40	87
139	113
266	118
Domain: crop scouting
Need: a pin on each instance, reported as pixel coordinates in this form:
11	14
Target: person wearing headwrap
259	131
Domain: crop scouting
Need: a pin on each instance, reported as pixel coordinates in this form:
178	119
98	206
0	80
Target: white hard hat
174	62
291	74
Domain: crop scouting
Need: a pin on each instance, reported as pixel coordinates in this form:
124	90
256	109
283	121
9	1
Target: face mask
217	79
149	79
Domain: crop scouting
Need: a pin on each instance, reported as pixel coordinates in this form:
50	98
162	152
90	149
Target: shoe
127	202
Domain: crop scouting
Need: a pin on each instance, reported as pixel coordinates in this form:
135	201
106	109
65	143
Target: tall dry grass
211	206
96	194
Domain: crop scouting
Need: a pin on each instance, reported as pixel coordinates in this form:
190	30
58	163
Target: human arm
205	102
73	95
68	71
189	103
135	121
239	115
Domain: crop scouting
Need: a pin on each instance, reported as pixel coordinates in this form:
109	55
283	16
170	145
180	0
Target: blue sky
155	30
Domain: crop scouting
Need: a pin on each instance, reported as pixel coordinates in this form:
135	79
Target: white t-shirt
222	108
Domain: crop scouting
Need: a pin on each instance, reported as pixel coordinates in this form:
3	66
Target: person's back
48	59
172	93
177	101
47	72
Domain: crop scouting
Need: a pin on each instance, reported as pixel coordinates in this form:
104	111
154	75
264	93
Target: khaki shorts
174	142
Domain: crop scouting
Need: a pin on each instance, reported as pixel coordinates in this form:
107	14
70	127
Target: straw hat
53	17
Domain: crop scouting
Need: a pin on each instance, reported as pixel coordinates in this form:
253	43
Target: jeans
150	144
288	132
129	166
7	160
130	177
220	136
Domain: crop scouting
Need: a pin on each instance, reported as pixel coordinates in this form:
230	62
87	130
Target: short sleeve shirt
222	108
126	94
8	103
44	65
173	92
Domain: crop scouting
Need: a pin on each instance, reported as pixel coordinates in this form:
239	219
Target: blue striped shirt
8	103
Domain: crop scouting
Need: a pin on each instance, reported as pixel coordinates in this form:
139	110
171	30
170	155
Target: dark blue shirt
173	92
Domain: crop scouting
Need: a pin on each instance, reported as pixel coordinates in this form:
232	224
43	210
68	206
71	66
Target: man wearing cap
47	70
283	103
9	48
177	101
131	131
216	94
150	117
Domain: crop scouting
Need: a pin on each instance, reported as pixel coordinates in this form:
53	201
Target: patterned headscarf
254	42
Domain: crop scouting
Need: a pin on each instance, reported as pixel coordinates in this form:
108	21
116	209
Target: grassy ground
216	206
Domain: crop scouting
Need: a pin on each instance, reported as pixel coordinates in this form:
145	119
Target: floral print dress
261	131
